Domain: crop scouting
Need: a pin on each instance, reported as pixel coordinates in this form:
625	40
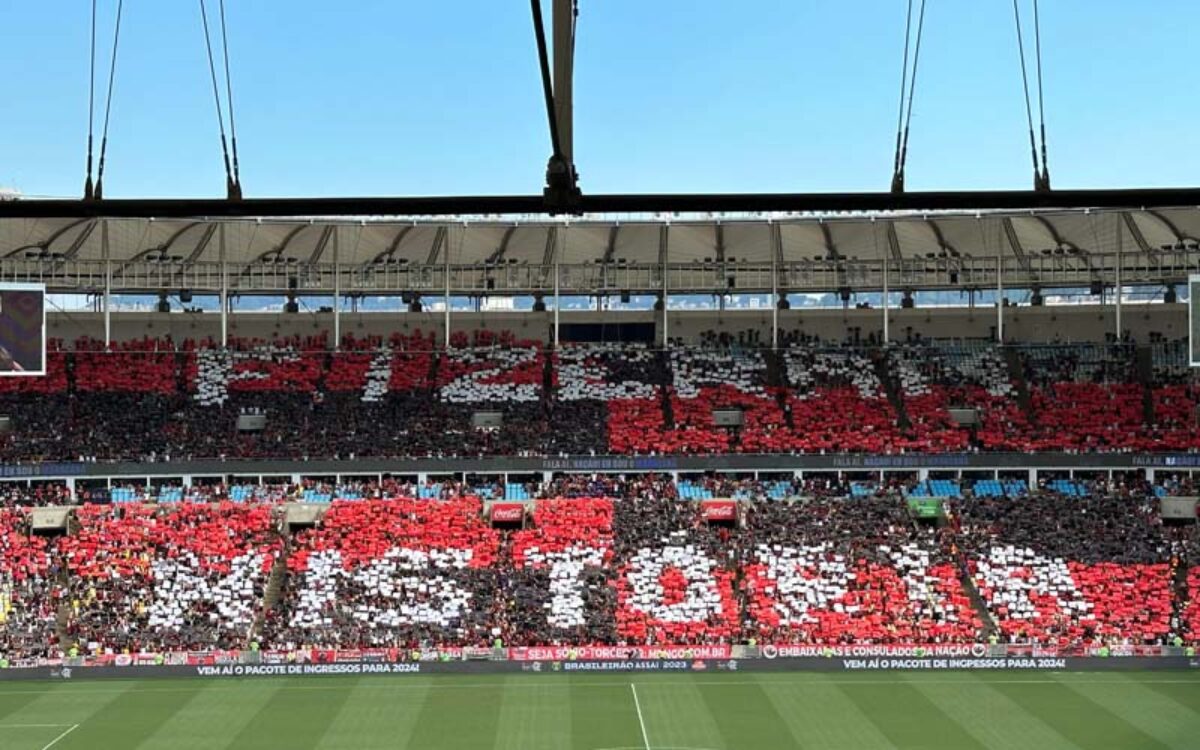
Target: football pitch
711	711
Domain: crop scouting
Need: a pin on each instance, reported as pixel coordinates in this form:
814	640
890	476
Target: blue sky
369	97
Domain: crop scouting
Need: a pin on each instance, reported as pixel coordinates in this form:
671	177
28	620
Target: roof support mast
908	87
1041	170
561	194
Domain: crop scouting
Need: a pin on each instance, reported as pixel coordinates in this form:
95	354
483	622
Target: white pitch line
32	726
641	722
54	741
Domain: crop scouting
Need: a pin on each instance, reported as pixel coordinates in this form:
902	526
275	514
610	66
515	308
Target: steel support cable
237	178
1037	172
1037	39
112	75
908	87
539	33
912	88
212	71
87	184
903	87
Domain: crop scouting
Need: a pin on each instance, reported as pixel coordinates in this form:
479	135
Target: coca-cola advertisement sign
507	512
720	510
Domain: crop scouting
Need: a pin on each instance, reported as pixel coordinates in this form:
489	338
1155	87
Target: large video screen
22	329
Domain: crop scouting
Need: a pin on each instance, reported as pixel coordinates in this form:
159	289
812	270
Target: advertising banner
630	665
507	512
720	510
617	653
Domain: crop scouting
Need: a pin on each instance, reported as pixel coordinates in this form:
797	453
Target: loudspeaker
728	417
251	422
487	420
964	417
1180	508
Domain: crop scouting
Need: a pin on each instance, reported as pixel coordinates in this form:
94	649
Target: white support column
666	289
337	290
446	296
557	247
224	285
774	231
105	250
999	295
1117	290
886	324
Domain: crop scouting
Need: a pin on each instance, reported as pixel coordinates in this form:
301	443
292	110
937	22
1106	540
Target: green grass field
938	711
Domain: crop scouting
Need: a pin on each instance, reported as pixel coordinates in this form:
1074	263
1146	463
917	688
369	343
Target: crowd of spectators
560	590
604	561
148	579
153	399
28	595
858	571
674	575
1056	570
391	574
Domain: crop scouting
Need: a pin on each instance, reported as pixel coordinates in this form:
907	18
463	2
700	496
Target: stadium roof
639	239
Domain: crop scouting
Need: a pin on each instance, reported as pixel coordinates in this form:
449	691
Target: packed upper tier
490	394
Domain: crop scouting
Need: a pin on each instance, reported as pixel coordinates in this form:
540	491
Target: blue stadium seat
1015	488
944	488
241	493
689	491
988	488
861	489
316	496
778	490
170	494
1067	487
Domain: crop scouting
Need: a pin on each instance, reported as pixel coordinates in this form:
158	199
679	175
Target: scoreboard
22	329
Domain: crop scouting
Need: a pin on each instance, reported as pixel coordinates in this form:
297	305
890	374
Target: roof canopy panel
863	237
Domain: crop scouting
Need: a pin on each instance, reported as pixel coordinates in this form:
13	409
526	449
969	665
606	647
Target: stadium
669	471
